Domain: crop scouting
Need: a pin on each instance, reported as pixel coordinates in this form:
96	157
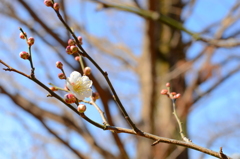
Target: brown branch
38	20
155	16
36	111
118	129
53	94
217	83
137	3
107	95
166	140
38	114
105	74
224	132
77	152
116	137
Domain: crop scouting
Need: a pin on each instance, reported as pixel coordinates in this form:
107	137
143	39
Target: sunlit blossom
79	85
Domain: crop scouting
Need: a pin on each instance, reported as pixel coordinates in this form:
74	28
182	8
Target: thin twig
58	88
99	110
53	94
179	122
118	129
155	16
126	116
30	52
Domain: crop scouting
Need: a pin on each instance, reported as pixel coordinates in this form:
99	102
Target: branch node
222	155
156	142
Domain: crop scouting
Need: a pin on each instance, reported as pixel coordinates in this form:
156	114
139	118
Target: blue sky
218	107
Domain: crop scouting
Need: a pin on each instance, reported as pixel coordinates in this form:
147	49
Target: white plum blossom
79	85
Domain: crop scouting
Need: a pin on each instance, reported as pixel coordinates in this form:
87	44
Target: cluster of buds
81	108
49	3
171	95
30	41
71	48
70	98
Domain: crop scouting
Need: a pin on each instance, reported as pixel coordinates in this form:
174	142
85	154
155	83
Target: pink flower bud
30	41
21	35
53	88
95	96
164	92
56	6
48	3
74	49
24	55
81	108
173	93
87	71
80	40
77	58
61	76
59	65
70	98
68	50
71	42
177	96
167	84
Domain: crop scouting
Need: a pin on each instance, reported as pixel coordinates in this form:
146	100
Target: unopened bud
177	96
164	92
87	71
77	58
61	76
30	41
24	55
48	3
56	6
173	93
71	42
73	49
95	96
167	84
80	40
81	108
70	98
22	36
68	50
59	65
53	88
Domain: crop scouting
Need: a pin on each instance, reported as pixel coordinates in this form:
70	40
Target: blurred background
140	56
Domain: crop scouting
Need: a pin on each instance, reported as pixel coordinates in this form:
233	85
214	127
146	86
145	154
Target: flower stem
30	52
126	116
179	122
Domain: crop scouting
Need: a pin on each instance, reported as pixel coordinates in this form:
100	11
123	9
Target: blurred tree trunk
163	48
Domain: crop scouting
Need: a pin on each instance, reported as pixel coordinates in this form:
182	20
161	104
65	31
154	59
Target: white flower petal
83	95
79	85
86	81
74	76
